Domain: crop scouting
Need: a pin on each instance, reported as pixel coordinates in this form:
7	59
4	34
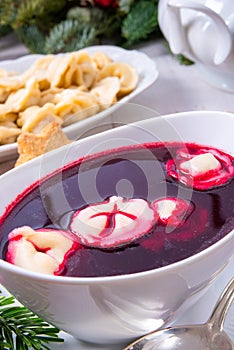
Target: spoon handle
219	313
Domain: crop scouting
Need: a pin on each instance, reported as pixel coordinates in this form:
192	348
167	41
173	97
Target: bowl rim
156	272
66	280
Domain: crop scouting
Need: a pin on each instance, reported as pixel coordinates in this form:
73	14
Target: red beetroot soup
177	200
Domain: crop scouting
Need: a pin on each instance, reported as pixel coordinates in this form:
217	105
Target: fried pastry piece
23	158
33	145
128	76
34	118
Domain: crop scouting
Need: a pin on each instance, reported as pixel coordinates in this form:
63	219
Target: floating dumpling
39	250
113	222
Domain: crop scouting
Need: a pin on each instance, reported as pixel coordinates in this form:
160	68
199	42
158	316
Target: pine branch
184	60
4	30
8	11
53	26
22	329
181	58
32	38
81	14
103	21
140	21
31	11
69	35
125	5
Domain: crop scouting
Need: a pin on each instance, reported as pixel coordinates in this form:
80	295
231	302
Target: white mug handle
177	35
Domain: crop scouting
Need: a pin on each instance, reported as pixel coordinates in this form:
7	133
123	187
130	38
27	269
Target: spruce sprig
4	30
32	37
62	26
8	11
69	35
38	11
21	329
125	6
141	21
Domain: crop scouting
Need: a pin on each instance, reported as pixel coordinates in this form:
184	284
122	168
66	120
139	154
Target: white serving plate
145	67
198	313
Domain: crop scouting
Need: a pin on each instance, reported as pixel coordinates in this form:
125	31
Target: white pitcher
203	31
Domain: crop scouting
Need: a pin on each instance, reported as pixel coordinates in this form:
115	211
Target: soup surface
186	189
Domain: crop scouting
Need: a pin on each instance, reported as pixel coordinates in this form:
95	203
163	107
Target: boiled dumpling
128	76
72	105
25	97
8	132
87	68
101	60
38	70
106	91
57	70
34	118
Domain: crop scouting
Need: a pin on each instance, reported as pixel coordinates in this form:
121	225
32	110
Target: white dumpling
25	97
34	118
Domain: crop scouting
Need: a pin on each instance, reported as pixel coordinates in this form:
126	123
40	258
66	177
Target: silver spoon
207	336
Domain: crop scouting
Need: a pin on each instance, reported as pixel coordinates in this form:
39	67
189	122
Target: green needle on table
21	329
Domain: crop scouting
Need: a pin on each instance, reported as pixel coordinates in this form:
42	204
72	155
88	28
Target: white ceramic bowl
121	308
